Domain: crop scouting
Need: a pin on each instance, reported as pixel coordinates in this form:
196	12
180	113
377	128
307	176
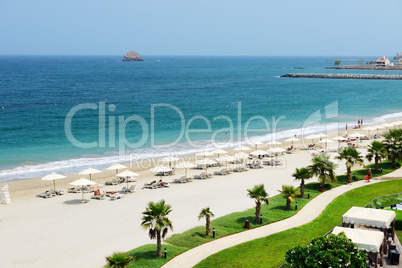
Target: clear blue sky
189	27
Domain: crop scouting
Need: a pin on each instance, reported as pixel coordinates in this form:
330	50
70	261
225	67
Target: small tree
206	212
259	195
377	151
290	192
331	251
302	174
119	260
392	144
352	157
155	219
323	168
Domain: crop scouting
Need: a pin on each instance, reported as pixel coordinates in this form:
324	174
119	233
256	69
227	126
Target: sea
65	113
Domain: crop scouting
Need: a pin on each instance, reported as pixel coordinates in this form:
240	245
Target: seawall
344	76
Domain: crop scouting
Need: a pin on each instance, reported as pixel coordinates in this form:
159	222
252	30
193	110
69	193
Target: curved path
308	213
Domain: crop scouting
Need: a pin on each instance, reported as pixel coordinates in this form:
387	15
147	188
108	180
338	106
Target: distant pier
345	76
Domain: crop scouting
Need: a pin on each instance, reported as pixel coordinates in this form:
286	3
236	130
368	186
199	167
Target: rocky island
132	56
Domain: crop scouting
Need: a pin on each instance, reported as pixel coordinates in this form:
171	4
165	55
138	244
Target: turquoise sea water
38	92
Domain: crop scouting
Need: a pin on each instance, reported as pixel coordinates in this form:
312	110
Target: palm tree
290	192
324	169
377	151
352	157
155	219
119	260
302	174
259	195
392	144
206	212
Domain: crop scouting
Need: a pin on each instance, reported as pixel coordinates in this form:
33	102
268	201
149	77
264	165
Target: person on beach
369	174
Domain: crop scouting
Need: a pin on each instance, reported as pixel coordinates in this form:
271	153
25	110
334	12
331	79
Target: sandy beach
62	232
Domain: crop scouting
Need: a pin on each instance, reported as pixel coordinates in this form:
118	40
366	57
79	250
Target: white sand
62	232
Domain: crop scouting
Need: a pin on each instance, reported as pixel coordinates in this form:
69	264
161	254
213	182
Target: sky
208	27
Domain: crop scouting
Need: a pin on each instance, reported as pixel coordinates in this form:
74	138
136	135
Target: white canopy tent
370	241
369	217
367	240
377	218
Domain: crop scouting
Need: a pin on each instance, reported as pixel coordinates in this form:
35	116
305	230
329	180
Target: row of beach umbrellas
222	157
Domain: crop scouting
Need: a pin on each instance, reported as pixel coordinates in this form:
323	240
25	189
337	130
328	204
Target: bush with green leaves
330	251
119	260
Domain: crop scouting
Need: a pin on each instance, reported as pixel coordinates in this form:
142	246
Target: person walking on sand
369	174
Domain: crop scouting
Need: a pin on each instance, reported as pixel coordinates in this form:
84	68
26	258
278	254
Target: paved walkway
308	213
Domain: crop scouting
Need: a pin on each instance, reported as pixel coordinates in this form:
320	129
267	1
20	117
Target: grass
234	223
271	250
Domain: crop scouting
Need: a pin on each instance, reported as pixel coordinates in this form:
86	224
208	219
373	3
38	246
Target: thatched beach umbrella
242	148
116	167
127	173
219	151
292	139
161	170
326	141
89	171
256	143
82	182
169	159
185	165
53	177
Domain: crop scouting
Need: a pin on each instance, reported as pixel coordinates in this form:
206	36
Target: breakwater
344	76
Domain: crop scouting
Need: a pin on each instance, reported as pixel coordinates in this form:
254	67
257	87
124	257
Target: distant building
400	61
383	61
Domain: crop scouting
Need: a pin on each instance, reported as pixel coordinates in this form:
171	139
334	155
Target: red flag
346	126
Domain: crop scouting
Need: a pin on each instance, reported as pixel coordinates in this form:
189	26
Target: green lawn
269	251
234	223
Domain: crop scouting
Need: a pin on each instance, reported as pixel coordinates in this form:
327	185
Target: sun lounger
47	194
99	196
116	196
131	189
220	172
113	182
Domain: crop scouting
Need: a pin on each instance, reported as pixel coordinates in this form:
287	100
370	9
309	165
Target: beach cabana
383	220
370	241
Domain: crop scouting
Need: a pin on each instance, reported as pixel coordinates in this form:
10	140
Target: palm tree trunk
349	172
288	203
257	211
393	161
208	225
376	163
158	244
302	188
